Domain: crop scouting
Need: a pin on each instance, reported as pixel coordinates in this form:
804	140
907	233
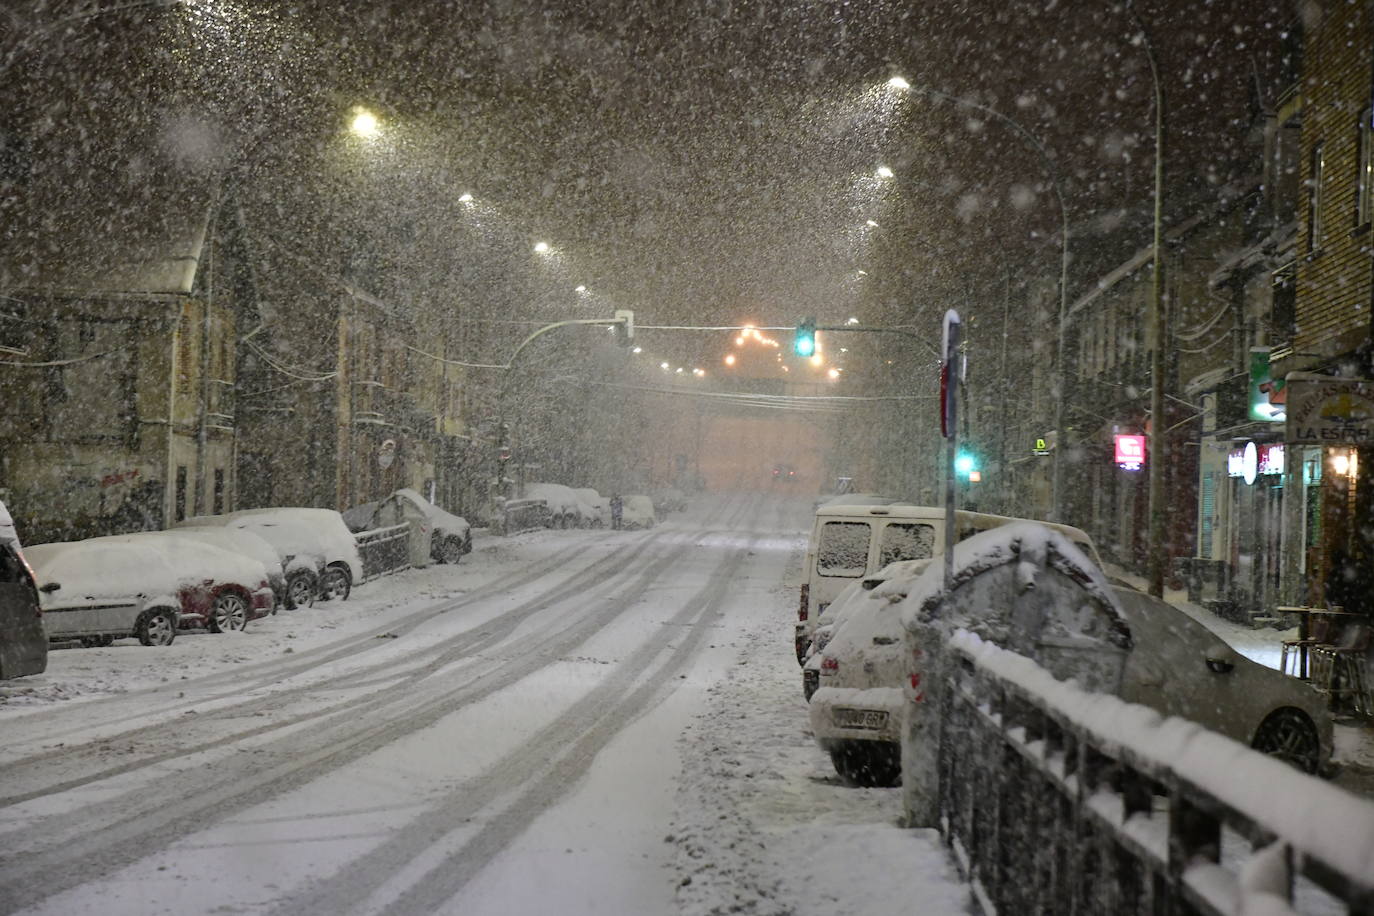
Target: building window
219	491
1364	164
1314	199
181	493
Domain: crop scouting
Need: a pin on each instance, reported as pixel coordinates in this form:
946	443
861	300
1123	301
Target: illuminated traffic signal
966	466
804	343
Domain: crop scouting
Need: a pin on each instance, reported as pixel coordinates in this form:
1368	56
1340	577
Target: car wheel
229	613
300	591
1289	735
335	583
868	763
451	550
157	627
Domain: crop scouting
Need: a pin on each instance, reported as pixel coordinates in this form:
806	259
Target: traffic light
804	343
624	327
966	466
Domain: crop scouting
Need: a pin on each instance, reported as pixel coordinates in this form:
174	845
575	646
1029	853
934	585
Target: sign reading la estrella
1323	410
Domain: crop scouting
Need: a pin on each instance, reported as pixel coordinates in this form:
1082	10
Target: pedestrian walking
617	511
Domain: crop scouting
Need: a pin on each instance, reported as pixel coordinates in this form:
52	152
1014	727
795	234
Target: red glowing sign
1130	452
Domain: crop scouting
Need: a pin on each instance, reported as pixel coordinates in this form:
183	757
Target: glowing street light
541	247
898	83
885	172
581	289
663	366
730	359
872	224
364	123
834	374
637	350
465	198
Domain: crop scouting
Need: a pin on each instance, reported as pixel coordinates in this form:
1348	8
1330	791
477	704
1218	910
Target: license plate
860	718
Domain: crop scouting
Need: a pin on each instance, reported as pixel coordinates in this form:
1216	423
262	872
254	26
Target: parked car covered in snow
319	554
101	590
1181	668
600	505
566	508
669	499
241	541
856	708
439	535
638	512
145	585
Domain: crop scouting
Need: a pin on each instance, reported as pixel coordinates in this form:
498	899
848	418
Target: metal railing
1056	801
523	514
384	551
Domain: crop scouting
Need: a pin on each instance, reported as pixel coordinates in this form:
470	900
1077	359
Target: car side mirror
48	588
1221	659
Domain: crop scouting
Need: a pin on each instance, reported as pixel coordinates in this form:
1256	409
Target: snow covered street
598	722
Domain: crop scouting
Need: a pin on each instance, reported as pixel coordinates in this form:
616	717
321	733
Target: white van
850	542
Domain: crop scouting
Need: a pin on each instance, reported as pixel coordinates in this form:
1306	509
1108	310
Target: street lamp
364	123
884	172
541	247
1057	470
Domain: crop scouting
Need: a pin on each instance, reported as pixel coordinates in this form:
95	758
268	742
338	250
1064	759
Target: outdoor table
1305	615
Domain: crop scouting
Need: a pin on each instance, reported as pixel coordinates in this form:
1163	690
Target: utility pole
1158	453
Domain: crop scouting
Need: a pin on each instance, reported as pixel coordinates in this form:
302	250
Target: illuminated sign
1271	459
1268	395
1130	452
1255	461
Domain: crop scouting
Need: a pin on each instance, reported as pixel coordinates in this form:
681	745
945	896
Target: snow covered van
851	542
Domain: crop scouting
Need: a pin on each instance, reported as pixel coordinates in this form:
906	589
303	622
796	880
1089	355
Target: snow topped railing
1060	801
384	550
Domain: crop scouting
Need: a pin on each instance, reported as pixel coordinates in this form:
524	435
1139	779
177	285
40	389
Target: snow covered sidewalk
763	824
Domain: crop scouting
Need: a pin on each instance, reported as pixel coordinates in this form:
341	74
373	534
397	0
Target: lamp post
1052	172
1158	447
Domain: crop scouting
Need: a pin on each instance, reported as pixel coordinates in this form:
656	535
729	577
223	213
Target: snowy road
597	722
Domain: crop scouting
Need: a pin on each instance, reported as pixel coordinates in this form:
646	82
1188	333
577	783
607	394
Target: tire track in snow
72	850
539	773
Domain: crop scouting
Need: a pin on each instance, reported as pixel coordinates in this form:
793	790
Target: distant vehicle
566	508
669	499
784	472
638	512
601	505
444	537
23	643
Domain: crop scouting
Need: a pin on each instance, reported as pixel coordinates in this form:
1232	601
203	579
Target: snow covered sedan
98	591
599	504
443	536
240	541
1182	668
638	512
856	710
145	585
835	613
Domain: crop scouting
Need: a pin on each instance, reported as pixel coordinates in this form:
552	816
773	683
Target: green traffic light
964	464
804	344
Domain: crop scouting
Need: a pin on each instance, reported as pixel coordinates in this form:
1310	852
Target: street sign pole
950	371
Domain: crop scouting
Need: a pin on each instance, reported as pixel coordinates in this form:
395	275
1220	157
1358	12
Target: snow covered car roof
442	520
100	568
238	540
319	534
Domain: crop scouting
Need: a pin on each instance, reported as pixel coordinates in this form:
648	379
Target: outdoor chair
1338	669
1300	648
